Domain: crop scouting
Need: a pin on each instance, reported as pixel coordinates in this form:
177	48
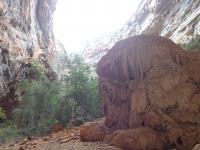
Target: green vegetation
2	114
194	43
8	131
46	103
84	87
43	104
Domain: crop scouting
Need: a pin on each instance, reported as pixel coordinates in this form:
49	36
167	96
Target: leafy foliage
46	103
2	113
8	131
84	87
37	71
43	104
194	43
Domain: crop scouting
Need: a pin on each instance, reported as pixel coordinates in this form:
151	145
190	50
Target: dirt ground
67	139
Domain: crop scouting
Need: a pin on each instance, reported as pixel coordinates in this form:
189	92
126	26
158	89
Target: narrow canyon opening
99	74
78	23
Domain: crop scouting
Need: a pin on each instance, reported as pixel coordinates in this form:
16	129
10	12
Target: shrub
194	43
8	131
43	104
46	103
37	71
2	114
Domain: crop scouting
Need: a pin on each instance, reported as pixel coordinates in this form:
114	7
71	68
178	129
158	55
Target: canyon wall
178	20
26	32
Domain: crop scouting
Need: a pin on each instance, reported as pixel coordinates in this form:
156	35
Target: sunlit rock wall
26	32
178	20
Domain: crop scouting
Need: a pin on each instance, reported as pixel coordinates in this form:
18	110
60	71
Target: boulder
135	139
197	147
149	82
94	131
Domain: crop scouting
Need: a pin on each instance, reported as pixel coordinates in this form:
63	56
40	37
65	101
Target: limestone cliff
178	20
26	33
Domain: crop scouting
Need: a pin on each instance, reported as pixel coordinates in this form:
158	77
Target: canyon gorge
149	85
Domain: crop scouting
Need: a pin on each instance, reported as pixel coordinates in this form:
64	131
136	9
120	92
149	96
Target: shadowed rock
139	138
94	131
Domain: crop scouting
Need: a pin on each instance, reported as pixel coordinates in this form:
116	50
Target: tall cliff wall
178	20
26	33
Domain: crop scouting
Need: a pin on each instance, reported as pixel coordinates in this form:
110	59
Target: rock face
150	88
178	20
25	33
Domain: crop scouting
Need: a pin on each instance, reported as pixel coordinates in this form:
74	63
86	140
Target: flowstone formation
150	92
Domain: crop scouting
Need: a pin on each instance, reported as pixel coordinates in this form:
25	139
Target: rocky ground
67	139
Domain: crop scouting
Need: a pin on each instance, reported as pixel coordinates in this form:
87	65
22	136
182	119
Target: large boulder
94	131
136	139
148	81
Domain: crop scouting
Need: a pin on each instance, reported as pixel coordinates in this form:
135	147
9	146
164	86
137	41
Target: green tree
44	103
84	86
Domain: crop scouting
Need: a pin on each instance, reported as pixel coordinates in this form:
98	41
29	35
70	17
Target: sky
77	21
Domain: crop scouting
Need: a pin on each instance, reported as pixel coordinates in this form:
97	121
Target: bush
194	43
37	71
46	103
8	131
43	104
2	114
